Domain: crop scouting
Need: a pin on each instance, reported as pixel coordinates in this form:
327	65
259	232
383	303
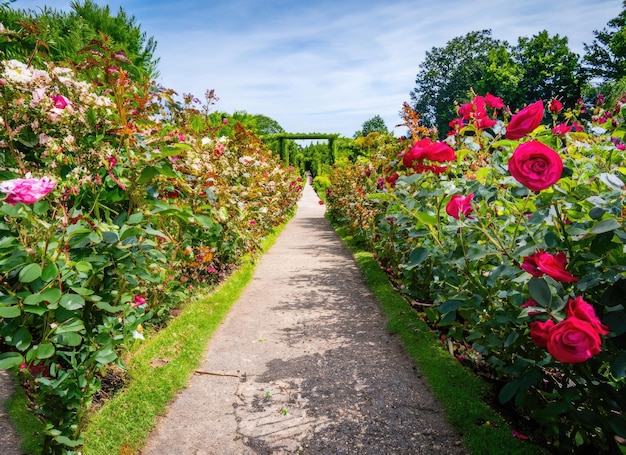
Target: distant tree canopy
375	124
61	36
540	67
606	56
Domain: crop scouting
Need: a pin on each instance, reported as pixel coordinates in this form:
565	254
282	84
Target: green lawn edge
123	424
461	393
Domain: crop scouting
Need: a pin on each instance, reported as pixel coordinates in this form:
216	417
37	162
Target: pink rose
27	191
459	204
540	332
578	308
138	300
542	263
525	121
573	340
61	102
535	165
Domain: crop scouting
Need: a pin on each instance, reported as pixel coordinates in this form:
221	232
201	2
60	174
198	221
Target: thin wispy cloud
329	66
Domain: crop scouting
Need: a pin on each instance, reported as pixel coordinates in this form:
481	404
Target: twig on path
217	374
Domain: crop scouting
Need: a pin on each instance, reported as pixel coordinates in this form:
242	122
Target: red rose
540	332
425	149
561	129
542	263
531	304
436	151
578	308
555	106
525	121
459	204
573	340
494	101
535	165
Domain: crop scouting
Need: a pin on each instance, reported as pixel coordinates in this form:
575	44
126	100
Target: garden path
303	364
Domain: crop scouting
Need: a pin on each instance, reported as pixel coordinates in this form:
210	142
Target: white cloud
329	66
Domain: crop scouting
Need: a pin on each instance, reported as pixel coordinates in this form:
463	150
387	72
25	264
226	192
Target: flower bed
510	236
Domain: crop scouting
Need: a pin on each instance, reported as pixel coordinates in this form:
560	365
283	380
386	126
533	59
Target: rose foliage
113	196
514	245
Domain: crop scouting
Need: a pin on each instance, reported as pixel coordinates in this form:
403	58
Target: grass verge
462	394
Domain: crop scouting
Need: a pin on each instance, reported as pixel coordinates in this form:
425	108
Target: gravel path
303	365
9	440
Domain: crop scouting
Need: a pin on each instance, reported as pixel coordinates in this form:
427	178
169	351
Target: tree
549	70
62	36
606	56
375	124
448	73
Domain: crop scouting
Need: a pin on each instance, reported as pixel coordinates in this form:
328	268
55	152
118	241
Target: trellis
303	136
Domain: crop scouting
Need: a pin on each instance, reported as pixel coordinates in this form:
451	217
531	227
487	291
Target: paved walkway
303	364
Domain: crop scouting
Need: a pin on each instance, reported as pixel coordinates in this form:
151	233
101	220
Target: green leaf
426	218
106	355
618	365
72	302
71	325
451	305
83	267
30	273
597	212
22	339
147	174
45	350
68	339
610	224
508	391
135	218
64	440
540	292
110	236
10	360
41	207
417	256
50	272
512	338
553	409
10	311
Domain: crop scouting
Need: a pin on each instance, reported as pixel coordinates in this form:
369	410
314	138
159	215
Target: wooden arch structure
281	137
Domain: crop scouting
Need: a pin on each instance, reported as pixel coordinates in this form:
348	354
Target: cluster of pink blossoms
26	191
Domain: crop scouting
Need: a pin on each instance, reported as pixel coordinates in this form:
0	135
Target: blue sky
330	65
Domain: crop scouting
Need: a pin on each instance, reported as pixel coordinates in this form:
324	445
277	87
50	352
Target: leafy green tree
605	57
549	70
448	73
61	36
375	124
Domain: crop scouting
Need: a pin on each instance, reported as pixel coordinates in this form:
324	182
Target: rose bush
543	232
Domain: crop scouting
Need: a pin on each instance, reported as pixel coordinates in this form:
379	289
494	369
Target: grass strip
123	424
462	394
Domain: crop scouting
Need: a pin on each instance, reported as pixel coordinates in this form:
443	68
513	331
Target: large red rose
535	165
425	149
578	308
540	332
573	340
525	121
542	263
459	204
